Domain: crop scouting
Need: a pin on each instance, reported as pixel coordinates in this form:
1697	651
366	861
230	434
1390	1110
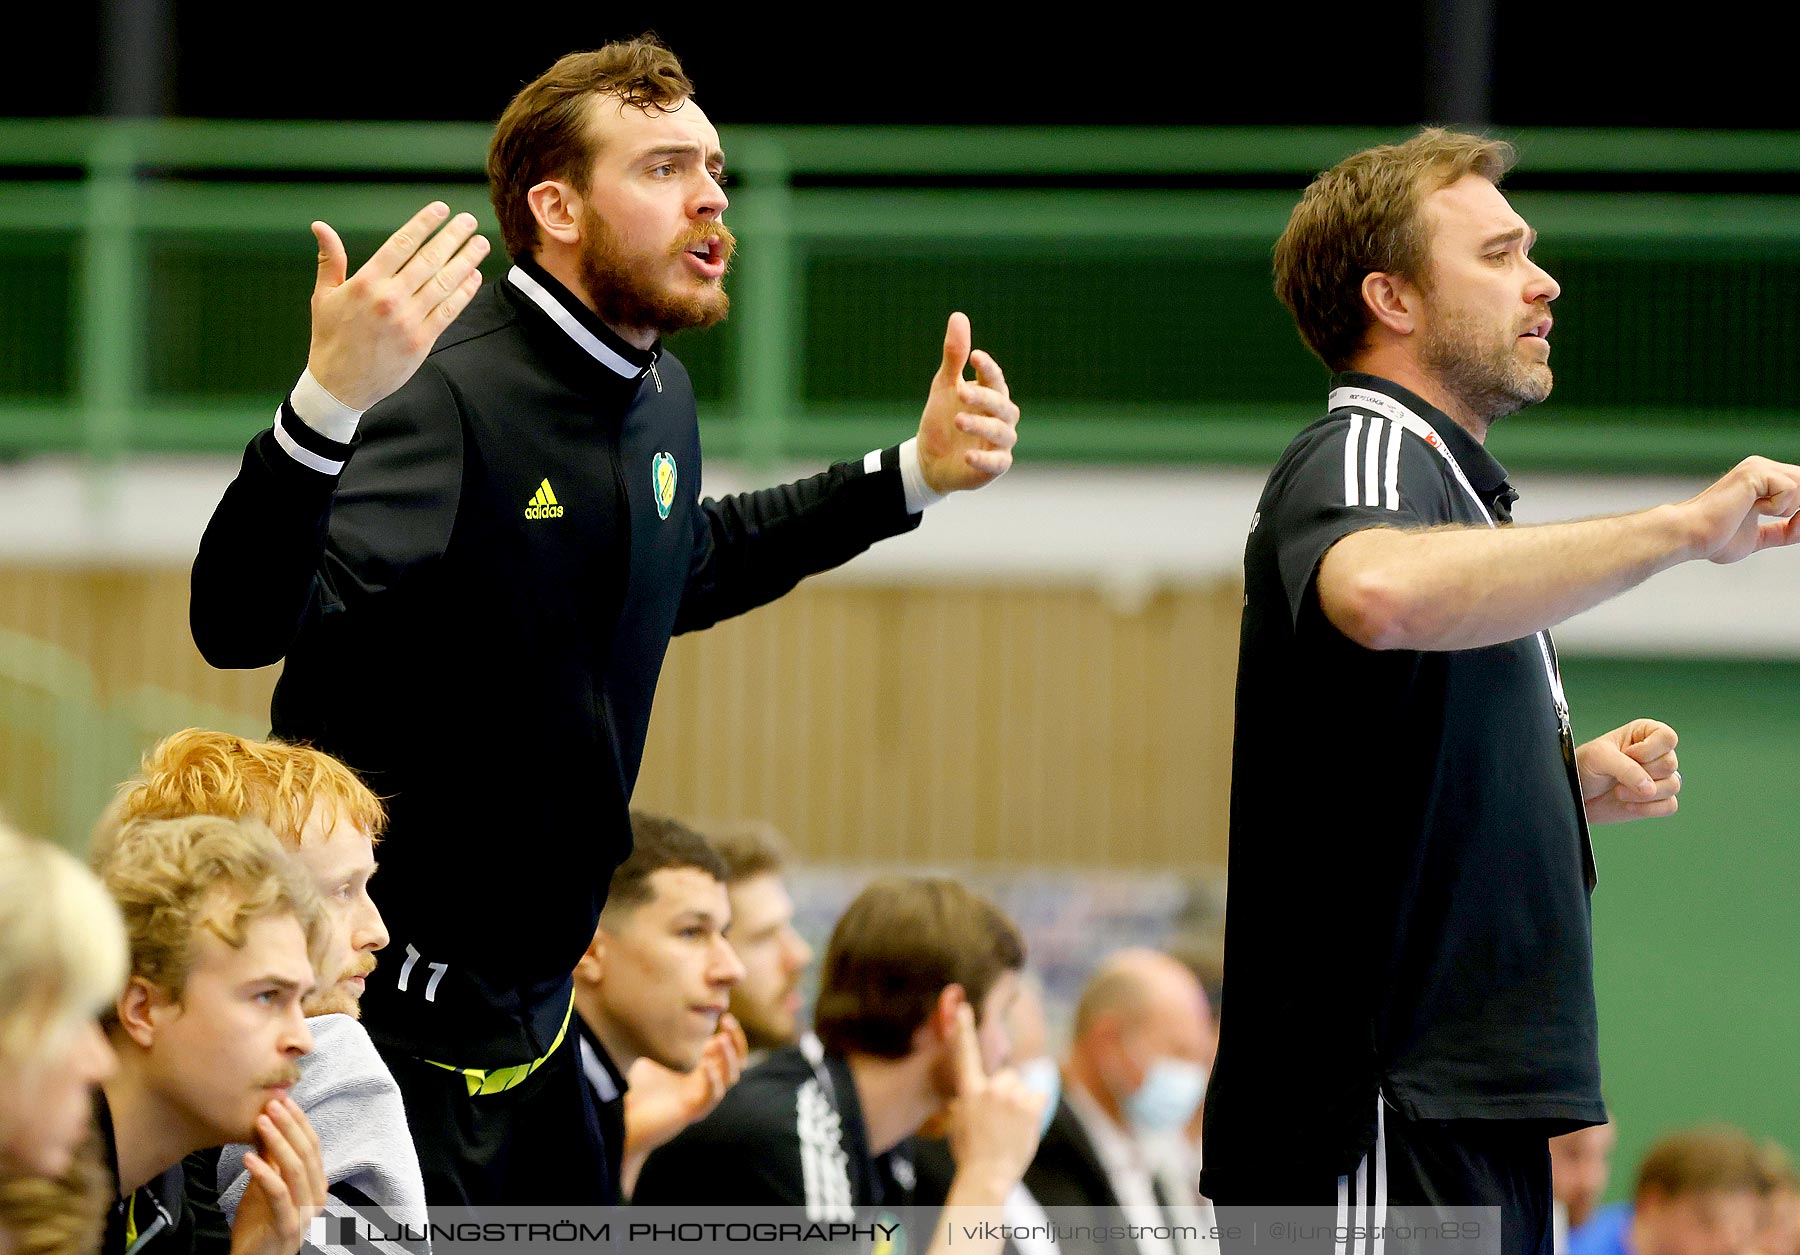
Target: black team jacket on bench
474	598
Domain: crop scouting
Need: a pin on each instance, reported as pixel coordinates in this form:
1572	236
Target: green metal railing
153	284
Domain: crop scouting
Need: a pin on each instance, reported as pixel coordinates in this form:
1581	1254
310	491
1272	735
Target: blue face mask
1041	1077
1169	1096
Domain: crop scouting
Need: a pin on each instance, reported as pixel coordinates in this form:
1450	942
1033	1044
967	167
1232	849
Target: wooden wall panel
28	776
129	625
947	724
959	725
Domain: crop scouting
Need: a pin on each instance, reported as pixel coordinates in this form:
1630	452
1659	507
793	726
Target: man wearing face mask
1136	1073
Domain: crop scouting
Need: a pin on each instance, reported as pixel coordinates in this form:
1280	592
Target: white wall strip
1125	532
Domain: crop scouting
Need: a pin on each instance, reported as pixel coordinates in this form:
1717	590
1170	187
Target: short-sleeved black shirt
1409	869
790	1133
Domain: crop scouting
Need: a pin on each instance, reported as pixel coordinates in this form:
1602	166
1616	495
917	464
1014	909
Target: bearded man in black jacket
496	556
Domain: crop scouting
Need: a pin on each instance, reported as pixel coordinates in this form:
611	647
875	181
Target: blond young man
224	931
62	961
1699	1191
1409	968
330	822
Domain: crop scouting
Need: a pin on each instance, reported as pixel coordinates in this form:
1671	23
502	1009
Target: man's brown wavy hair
895	950
1362	217
547	132
1708	1159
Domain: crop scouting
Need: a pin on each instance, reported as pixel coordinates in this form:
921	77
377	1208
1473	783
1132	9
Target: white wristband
912	476
321	411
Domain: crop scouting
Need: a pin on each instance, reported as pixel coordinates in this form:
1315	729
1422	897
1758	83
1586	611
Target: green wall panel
1697	931
709	360
1678	337
230	316
1132	323
36	316
1134	316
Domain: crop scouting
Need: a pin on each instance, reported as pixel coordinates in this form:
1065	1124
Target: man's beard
766	1032
626	292
1491	380
338	1000
942	1079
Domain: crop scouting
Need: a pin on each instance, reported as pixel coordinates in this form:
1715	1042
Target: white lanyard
1387	407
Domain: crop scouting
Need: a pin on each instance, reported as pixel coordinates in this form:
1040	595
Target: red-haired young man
329	822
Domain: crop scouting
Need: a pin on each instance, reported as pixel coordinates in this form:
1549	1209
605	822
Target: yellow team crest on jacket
662	479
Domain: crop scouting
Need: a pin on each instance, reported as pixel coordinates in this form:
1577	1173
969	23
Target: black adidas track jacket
474	598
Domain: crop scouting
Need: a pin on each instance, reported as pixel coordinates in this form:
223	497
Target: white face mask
1169	1096
1040	1076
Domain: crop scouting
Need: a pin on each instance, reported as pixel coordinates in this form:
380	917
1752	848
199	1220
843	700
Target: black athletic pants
538	1144
1418	1165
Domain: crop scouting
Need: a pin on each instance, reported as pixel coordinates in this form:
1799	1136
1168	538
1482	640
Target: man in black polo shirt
1409	967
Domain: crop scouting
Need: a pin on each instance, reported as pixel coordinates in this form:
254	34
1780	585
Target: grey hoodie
350	1097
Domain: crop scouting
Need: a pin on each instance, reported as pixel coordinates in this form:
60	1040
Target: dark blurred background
1515	65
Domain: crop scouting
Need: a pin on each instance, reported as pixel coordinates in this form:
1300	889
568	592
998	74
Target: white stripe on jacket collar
595	347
